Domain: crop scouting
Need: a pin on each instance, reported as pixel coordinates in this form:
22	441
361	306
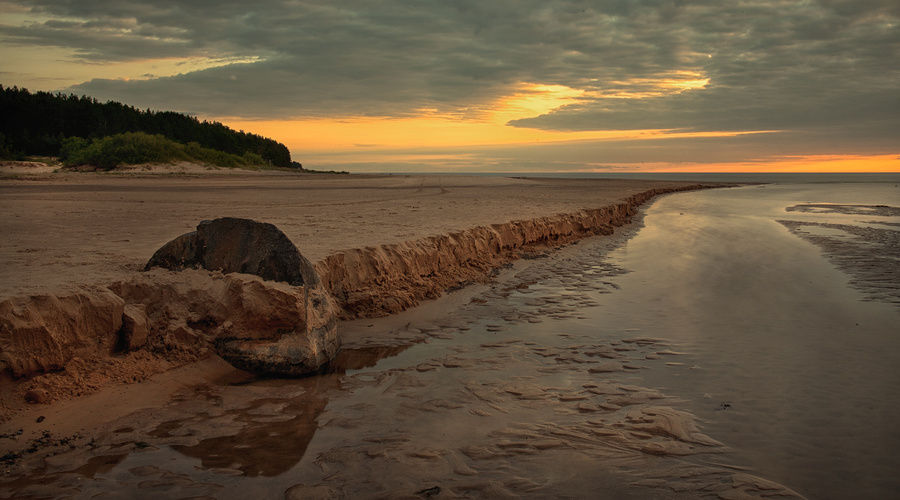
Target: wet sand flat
488	392
788	331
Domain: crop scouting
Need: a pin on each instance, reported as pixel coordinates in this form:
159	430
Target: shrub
71	147
138	147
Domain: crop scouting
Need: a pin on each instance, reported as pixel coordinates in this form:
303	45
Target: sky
493	85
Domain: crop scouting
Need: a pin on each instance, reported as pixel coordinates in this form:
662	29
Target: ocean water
738	342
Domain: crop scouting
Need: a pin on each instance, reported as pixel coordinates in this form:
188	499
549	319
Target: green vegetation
299	167
82	129
137	147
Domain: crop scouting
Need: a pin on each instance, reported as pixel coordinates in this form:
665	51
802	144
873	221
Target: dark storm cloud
325	58
802	65
771	64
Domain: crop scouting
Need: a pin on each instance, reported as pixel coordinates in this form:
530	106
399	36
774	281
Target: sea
739	342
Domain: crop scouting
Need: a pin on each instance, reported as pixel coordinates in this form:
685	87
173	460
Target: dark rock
135	328
180	253
233	245
280	321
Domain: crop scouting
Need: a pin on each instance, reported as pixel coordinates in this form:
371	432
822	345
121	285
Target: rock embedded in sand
135	327
37	396
234	245
281	324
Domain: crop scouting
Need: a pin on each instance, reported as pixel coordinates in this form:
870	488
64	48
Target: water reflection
364	357
273	433
808	367
270	442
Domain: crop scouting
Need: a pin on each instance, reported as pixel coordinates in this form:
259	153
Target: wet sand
793	330
484	393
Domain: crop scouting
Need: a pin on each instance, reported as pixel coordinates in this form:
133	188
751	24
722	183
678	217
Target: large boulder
260	326
233	245
281	323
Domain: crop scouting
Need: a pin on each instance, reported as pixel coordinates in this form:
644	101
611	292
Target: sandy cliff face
378	281
43	332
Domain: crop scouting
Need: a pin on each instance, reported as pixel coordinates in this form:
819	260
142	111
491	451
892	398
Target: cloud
799	67
803	66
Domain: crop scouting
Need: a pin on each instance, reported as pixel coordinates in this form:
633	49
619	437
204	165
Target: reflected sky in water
809	368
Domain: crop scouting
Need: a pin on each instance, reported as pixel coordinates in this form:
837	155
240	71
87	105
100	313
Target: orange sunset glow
355	138
430	129
808	164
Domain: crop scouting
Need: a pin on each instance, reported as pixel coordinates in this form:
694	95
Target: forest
55	124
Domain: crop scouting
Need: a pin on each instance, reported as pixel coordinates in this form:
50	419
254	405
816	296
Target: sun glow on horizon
430	138
888	163
429	128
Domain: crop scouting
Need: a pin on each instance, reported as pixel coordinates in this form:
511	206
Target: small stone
37	396
135	328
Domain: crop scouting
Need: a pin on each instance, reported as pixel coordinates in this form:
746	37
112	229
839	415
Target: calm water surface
786	363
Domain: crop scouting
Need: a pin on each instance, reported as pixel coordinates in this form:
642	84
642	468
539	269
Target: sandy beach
71	229
66	232
547	407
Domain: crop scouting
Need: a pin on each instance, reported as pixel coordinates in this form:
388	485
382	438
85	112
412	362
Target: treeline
39	124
